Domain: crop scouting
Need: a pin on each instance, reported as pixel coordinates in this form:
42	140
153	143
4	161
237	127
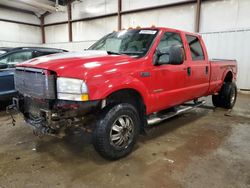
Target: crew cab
125	82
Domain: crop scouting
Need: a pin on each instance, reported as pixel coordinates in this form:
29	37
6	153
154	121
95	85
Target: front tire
116	131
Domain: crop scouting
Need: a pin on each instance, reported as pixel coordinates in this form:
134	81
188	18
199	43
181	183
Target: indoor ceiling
37	7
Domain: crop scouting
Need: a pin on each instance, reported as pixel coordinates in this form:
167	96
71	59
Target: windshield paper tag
147	32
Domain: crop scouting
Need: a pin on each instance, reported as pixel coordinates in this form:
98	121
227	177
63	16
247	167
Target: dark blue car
9	59
4	50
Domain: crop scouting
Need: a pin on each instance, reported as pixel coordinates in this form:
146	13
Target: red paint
167	85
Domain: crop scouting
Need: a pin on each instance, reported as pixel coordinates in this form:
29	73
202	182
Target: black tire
227	96
106	130
4	104
216	100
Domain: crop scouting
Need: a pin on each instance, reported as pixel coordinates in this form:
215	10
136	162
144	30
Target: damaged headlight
72	89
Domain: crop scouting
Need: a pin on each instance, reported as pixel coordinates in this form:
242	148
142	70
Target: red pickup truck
123	83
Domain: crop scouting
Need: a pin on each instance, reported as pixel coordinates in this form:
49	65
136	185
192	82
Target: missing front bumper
51	117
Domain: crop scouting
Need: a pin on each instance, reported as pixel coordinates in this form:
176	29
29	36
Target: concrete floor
206	147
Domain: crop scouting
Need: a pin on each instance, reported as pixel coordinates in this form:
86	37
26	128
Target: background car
9	59
4	50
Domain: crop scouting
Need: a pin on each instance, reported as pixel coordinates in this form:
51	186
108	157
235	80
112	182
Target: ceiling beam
95	17
158	7
82	19
69	20
198	16
43	27
37	4
119	14
18	22
186	2
17	9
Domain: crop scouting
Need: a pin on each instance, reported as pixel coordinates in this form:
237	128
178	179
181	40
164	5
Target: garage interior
205	147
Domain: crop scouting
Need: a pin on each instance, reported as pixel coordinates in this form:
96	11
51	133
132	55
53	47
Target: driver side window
168	40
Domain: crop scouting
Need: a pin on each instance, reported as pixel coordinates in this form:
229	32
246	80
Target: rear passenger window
195	48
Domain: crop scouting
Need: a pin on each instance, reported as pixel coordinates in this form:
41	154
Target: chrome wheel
122	132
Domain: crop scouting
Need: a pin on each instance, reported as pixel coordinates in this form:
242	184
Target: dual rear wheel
226	97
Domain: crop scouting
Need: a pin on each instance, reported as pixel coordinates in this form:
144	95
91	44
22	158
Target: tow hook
13	109
10	110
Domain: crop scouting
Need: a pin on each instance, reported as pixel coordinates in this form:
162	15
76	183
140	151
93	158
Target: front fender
109	86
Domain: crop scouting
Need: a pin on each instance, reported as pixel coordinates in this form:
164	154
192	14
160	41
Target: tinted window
168	40
38	53
195	48
16	57
2	52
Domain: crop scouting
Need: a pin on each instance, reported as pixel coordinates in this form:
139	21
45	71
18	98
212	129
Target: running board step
183	108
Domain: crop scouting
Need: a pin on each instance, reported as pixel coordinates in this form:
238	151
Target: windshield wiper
132	53
125	53
113	53
138	53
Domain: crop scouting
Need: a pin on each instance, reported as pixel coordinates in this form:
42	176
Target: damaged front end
37	101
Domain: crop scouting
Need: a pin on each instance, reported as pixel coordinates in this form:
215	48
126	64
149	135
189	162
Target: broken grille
35	83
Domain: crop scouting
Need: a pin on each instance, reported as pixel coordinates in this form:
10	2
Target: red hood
78	64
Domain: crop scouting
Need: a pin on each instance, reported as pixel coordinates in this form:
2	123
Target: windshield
133	42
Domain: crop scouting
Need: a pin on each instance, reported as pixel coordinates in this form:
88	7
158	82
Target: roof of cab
167	29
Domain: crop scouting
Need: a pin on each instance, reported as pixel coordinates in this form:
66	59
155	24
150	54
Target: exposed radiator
34	83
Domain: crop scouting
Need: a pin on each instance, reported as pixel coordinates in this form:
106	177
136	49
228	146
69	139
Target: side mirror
3	66
173	55
176	55
35	54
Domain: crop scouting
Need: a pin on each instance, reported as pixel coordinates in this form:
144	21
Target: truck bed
219	68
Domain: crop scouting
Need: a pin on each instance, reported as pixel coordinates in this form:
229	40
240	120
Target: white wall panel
19	33
18	16
71	46
232	45
225	15
17	44
56	17
132	4
89	8
176	17
94	29
57	33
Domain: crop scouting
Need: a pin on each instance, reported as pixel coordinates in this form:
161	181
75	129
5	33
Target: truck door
198	68
169	80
